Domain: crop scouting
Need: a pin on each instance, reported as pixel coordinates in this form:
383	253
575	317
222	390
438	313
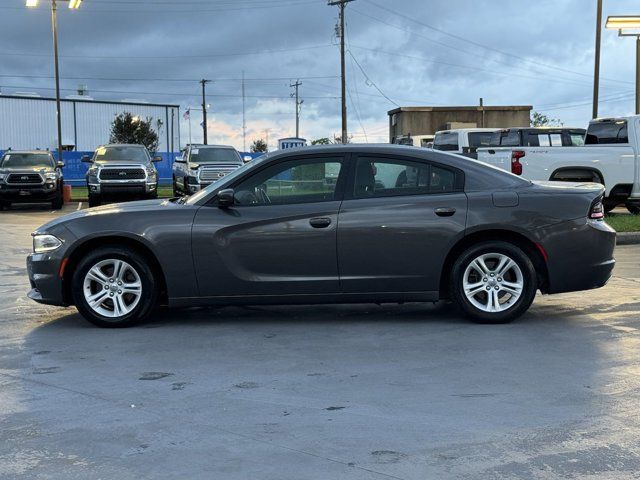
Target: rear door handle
320	222
445	211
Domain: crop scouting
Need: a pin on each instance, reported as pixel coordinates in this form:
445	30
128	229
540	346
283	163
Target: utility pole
244	117
341	4
596	72
204	110
298	105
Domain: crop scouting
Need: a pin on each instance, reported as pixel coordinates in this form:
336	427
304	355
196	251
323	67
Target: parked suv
30	177
201	165
119	171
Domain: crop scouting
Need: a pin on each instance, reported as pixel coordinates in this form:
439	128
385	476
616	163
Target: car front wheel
114	287
493	282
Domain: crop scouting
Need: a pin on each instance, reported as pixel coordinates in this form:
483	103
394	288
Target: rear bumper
580	255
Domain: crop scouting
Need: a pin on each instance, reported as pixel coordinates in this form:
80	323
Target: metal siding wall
31	123
28	123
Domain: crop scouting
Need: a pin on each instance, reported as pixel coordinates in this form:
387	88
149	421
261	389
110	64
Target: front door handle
445	211
320	222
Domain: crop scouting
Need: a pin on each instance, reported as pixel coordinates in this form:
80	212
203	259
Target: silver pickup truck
201	165
121	170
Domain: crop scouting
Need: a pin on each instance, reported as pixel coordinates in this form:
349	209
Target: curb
628	238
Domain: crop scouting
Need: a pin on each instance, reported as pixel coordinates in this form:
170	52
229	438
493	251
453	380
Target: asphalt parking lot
332	392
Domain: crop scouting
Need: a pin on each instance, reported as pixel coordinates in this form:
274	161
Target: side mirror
226	198
86	159
59	164
157	158
247	158
180	160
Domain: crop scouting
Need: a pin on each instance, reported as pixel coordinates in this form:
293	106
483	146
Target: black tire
149	289
58	202
634	209
175	187
609	205
94	200
519	306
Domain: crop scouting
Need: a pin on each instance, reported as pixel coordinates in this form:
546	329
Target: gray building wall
30	122
428	120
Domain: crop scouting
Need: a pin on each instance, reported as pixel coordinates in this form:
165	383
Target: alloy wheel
493	282
112	288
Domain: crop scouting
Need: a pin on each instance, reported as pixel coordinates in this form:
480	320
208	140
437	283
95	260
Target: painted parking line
79	206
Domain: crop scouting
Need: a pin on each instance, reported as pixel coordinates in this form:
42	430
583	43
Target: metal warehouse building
29	122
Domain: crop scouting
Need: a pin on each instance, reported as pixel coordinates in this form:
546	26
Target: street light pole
632	23
54	28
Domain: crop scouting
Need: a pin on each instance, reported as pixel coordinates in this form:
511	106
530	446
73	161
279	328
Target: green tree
321	141
259	145
541	120
127	128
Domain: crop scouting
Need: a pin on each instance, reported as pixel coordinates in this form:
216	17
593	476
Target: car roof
214	146
469	130
110	145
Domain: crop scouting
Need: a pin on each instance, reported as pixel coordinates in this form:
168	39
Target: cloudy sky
400	52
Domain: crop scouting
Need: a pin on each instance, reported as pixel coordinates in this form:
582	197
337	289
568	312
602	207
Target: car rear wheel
114	287
493	282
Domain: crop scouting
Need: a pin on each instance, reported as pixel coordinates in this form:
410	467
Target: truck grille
24	178
122	174
211	174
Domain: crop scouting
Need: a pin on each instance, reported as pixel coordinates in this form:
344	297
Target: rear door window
480	139
386	177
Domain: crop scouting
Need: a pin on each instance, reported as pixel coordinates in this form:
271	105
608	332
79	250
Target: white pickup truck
610	156
463	140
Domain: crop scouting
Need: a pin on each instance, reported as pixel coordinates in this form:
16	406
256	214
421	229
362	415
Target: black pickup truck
30	177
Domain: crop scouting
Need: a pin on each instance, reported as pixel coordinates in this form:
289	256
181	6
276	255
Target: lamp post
629	26
73	4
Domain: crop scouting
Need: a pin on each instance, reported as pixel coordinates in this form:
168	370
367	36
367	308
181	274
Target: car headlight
45	243
50	176
3	177
93	171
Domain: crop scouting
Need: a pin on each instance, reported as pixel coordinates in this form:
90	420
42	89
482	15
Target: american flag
187	114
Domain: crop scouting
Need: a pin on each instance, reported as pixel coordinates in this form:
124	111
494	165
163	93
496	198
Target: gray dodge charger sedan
341	224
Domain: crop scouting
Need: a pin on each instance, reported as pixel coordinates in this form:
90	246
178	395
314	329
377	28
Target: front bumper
580	255
134	188
44	276
16	194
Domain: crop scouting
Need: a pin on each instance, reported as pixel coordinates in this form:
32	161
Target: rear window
613	131
447	141
505	138
480	139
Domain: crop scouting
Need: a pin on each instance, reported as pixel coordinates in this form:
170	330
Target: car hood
123	163
112	209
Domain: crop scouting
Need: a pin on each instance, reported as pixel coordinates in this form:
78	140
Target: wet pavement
333	392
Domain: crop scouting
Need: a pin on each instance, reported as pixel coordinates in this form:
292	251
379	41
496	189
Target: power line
156	57
148	79
486	47
369	81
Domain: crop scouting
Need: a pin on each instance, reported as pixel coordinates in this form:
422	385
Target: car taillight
516	166
596	212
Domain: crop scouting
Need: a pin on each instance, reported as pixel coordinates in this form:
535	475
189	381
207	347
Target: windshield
215	155
28	160
192	199
121	154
